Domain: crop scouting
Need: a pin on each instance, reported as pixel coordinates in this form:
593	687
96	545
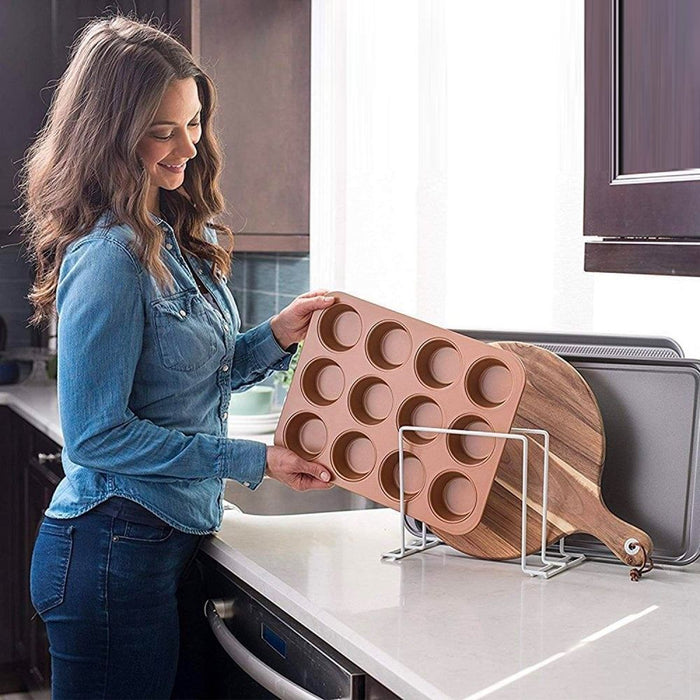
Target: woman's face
169	142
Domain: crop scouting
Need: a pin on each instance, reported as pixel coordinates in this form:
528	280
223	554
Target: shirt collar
164	225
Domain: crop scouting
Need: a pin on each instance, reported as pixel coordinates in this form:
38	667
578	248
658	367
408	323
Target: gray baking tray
587	345
650	414
649	401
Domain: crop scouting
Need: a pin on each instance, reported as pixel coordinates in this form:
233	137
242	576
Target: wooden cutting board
556	399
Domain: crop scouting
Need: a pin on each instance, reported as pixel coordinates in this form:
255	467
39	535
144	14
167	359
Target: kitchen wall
447	170
15	276
262	284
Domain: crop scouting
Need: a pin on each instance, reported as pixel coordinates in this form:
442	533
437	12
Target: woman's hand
295	472
290	325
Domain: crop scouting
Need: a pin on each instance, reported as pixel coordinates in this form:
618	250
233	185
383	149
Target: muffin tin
363	372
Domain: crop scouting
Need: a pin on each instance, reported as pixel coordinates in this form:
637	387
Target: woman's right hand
287	467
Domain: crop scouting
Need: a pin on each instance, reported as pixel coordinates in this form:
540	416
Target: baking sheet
650	413
588	345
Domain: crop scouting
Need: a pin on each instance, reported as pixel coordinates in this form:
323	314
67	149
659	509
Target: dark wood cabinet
30	471
25	55
41	479
36	36
8	537
642	148
259	56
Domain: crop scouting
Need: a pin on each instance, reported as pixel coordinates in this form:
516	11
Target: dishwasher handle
216	611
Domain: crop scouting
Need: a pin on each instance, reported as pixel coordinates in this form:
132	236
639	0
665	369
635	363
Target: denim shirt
144	382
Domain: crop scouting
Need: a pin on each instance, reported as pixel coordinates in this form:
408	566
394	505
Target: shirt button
169	246
226	327
246	484
225	416
183	313
224	368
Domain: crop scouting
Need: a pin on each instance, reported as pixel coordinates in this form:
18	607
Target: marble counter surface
442	625
37	403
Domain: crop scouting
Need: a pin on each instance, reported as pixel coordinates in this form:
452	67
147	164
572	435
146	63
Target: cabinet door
40	476
642	152
36	35
257	52
259	56
8	536
25	56
40	485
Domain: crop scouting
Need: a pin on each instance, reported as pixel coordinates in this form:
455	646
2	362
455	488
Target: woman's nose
186	148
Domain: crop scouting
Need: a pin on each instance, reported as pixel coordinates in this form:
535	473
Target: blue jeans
105	583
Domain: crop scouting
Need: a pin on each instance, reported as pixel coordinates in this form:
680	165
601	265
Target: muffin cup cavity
367	373
489	383
452	496
370	400
471	450
306	435
388	345
340	327
353	456
423	412
322	382
438	363
413	476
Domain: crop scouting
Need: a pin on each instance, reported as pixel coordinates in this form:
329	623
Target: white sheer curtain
434	154
447	169
379	151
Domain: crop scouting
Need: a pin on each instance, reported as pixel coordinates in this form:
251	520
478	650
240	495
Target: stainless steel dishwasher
264	653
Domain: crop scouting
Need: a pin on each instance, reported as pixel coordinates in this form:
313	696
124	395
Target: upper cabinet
642	152
257	52
26	58
259	56
36	37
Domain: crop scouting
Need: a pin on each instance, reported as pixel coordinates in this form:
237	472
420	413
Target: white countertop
442	625
36	403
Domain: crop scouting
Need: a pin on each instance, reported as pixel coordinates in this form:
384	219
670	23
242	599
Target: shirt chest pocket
185	331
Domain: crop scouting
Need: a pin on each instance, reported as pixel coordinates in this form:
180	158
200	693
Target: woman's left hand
290	325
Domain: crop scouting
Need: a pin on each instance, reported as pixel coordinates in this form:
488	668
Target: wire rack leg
550	566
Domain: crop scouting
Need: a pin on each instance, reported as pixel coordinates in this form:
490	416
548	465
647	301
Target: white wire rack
550	564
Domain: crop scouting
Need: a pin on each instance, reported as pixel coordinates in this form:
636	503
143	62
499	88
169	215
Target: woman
119	191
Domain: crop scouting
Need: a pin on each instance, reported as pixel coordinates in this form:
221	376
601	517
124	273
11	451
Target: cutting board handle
614	533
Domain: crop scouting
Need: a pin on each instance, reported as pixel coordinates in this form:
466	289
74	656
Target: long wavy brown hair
84	164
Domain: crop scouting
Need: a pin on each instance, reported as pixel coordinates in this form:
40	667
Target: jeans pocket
50	562
138	532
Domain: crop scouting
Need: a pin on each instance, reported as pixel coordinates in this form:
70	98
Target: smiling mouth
173	168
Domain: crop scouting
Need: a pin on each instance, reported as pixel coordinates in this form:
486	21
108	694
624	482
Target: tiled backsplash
15	278
265	283
262	285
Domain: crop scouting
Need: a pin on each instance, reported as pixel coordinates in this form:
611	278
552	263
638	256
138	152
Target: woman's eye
162	137
195	124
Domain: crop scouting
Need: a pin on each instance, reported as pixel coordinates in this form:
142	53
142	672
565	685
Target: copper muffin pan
363	372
